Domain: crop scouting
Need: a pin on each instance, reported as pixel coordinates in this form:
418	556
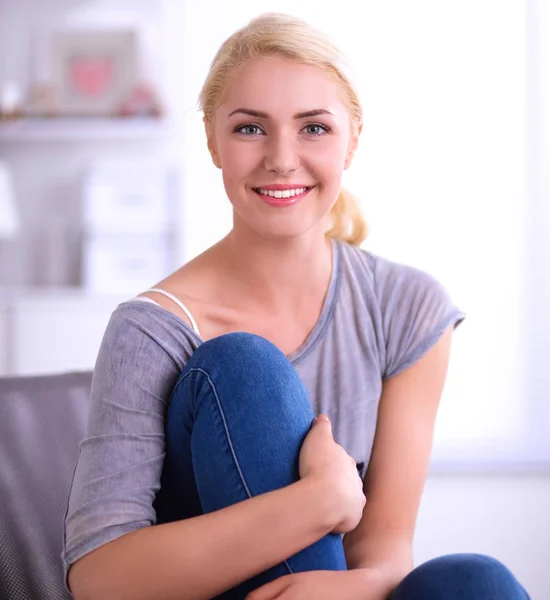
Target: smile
282	197
281	193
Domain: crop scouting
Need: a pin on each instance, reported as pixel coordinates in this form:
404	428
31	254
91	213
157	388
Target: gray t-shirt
378	318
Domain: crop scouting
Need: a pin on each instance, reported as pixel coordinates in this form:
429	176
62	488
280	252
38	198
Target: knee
249	367
241	355
461	576
236	346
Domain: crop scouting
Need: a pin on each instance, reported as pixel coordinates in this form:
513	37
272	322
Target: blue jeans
235	424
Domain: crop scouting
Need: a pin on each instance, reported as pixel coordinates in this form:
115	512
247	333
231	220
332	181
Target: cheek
238	159
328	161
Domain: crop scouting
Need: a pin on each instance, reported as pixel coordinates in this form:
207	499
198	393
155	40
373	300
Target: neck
276	271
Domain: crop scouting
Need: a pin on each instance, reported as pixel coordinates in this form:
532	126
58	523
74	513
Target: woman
206	386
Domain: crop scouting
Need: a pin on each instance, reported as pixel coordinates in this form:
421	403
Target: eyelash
240	128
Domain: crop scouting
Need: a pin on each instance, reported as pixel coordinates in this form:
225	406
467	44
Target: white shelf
30	130
53	294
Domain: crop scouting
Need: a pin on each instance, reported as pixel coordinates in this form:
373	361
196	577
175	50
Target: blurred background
106	186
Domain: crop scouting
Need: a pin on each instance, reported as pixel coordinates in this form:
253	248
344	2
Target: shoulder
398	285
412	307
391	281
142	329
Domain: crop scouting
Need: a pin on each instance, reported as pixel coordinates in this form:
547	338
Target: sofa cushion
42	421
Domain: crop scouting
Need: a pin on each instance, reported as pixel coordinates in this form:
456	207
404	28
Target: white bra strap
180	304
145	299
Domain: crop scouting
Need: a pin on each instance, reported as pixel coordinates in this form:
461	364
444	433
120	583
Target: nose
281	154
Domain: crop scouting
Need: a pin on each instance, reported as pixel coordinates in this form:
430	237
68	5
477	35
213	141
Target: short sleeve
416	309
120	460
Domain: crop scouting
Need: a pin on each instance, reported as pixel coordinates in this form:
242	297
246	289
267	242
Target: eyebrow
263	115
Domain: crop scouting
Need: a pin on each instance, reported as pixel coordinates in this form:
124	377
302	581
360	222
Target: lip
281	186
283	202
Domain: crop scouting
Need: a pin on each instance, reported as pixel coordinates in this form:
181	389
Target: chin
280	227
285	233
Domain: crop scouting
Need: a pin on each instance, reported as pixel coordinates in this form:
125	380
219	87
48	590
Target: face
282	137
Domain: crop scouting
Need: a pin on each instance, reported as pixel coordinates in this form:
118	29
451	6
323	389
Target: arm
110	538
200	557
379	550
381	544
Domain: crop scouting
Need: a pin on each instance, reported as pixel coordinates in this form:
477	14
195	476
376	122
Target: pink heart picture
91	77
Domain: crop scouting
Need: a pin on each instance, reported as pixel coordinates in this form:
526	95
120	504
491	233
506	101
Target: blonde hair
276	33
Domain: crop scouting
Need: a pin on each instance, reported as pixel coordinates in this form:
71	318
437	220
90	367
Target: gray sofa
42	420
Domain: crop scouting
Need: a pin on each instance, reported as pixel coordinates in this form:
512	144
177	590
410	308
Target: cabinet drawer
126	263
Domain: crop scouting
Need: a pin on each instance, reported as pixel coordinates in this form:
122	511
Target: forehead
279	86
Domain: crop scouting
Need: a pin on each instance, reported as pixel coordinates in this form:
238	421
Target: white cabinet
49	158
48	321
51	332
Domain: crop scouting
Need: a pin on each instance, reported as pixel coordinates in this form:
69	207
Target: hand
323	585
321	458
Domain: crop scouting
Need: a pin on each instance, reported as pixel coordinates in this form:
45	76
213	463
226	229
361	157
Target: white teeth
282	193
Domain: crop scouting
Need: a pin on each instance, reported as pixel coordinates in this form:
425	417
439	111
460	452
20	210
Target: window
451	181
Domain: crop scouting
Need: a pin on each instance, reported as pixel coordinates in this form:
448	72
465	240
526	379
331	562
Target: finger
323	421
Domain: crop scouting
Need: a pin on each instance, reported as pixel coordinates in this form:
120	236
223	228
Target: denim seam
231	447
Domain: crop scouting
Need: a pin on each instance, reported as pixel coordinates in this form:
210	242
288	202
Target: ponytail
347	222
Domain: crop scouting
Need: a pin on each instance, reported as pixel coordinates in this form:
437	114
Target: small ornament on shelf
43	101
11	105
142	101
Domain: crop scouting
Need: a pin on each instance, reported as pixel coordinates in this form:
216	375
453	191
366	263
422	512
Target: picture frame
93	71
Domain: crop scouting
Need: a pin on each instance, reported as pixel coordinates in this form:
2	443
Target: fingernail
322	418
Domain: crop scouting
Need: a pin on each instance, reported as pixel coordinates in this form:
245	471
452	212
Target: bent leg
236	421
460	577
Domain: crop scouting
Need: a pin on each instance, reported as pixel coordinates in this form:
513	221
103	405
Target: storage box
126	263
128	196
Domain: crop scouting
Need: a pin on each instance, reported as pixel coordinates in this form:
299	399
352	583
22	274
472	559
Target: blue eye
252	130
316	129
249	129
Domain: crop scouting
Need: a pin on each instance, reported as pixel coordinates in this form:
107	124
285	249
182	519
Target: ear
353	143
211	141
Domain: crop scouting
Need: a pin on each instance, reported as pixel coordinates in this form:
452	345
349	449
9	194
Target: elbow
79	583
85	584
